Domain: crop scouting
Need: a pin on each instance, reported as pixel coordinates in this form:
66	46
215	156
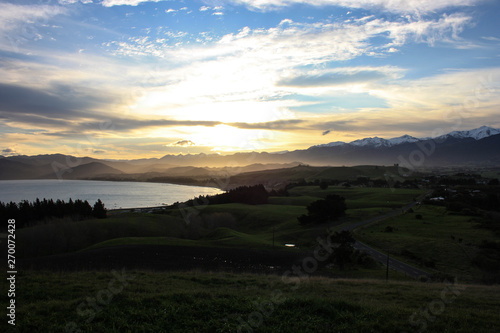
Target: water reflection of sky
113	194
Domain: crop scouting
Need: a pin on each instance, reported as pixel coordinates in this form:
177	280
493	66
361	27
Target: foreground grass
220	302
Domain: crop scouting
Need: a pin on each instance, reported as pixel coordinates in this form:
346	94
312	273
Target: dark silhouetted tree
326	210
343	250
99	211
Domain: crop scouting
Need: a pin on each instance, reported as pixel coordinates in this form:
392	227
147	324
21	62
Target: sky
123	79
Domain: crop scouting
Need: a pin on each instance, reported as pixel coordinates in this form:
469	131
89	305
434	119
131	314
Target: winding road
382	257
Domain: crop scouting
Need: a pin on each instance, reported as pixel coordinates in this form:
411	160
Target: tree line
28	213
251	195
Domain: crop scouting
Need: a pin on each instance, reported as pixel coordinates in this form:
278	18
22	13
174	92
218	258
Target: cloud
204	8
491	38
285	124
9	152
70	2
111	3
57	101
332	78
182	143
13	17
261	64
253	80
398	6
466	99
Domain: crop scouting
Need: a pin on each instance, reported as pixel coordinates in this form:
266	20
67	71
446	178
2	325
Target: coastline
116	194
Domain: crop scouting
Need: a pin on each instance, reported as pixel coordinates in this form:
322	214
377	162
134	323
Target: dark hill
87	171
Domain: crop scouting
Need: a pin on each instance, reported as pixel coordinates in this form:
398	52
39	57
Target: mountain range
477	147
476	134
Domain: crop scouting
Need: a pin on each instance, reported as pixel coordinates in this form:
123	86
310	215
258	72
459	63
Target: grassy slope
68	236
310	173
218	302
255	224
431	239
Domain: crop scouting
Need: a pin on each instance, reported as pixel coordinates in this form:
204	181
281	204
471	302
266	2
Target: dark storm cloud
56	101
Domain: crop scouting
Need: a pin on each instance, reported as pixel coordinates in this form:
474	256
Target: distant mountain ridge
477	134
477	147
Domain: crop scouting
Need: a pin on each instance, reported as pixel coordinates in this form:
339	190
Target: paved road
377	255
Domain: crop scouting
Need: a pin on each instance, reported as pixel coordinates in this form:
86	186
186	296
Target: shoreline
24	194
196	184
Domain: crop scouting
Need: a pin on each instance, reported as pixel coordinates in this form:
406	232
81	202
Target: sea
114	195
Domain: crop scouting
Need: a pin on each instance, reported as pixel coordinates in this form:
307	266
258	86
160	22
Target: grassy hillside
217	302
66	236
439	240
311	173
253	225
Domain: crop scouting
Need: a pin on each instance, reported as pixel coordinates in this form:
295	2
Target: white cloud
12	16
20	24
111	3
399	6
490	38
236	77
70	2
170	10
204	8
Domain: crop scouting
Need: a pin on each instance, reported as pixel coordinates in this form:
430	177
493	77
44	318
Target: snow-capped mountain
477	134
332	144
402	139
376	142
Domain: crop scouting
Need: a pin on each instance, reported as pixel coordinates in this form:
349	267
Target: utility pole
387	269
273	237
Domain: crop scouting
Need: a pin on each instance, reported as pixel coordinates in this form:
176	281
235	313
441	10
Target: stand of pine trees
28	213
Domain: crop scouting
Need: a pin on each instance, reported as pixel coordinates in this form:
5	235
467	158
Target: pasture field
439	241
253	225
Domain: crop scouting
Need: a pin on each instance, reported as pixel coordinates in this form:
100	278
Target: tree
323	185
344	250
99	211
494	182
326	210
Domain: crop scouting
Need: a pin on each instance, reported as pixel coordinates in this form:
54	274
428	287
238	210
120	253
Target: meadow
438	240
227	224
142	301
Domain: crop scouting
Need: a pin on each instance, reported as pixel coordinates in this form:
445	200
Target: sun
225	138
